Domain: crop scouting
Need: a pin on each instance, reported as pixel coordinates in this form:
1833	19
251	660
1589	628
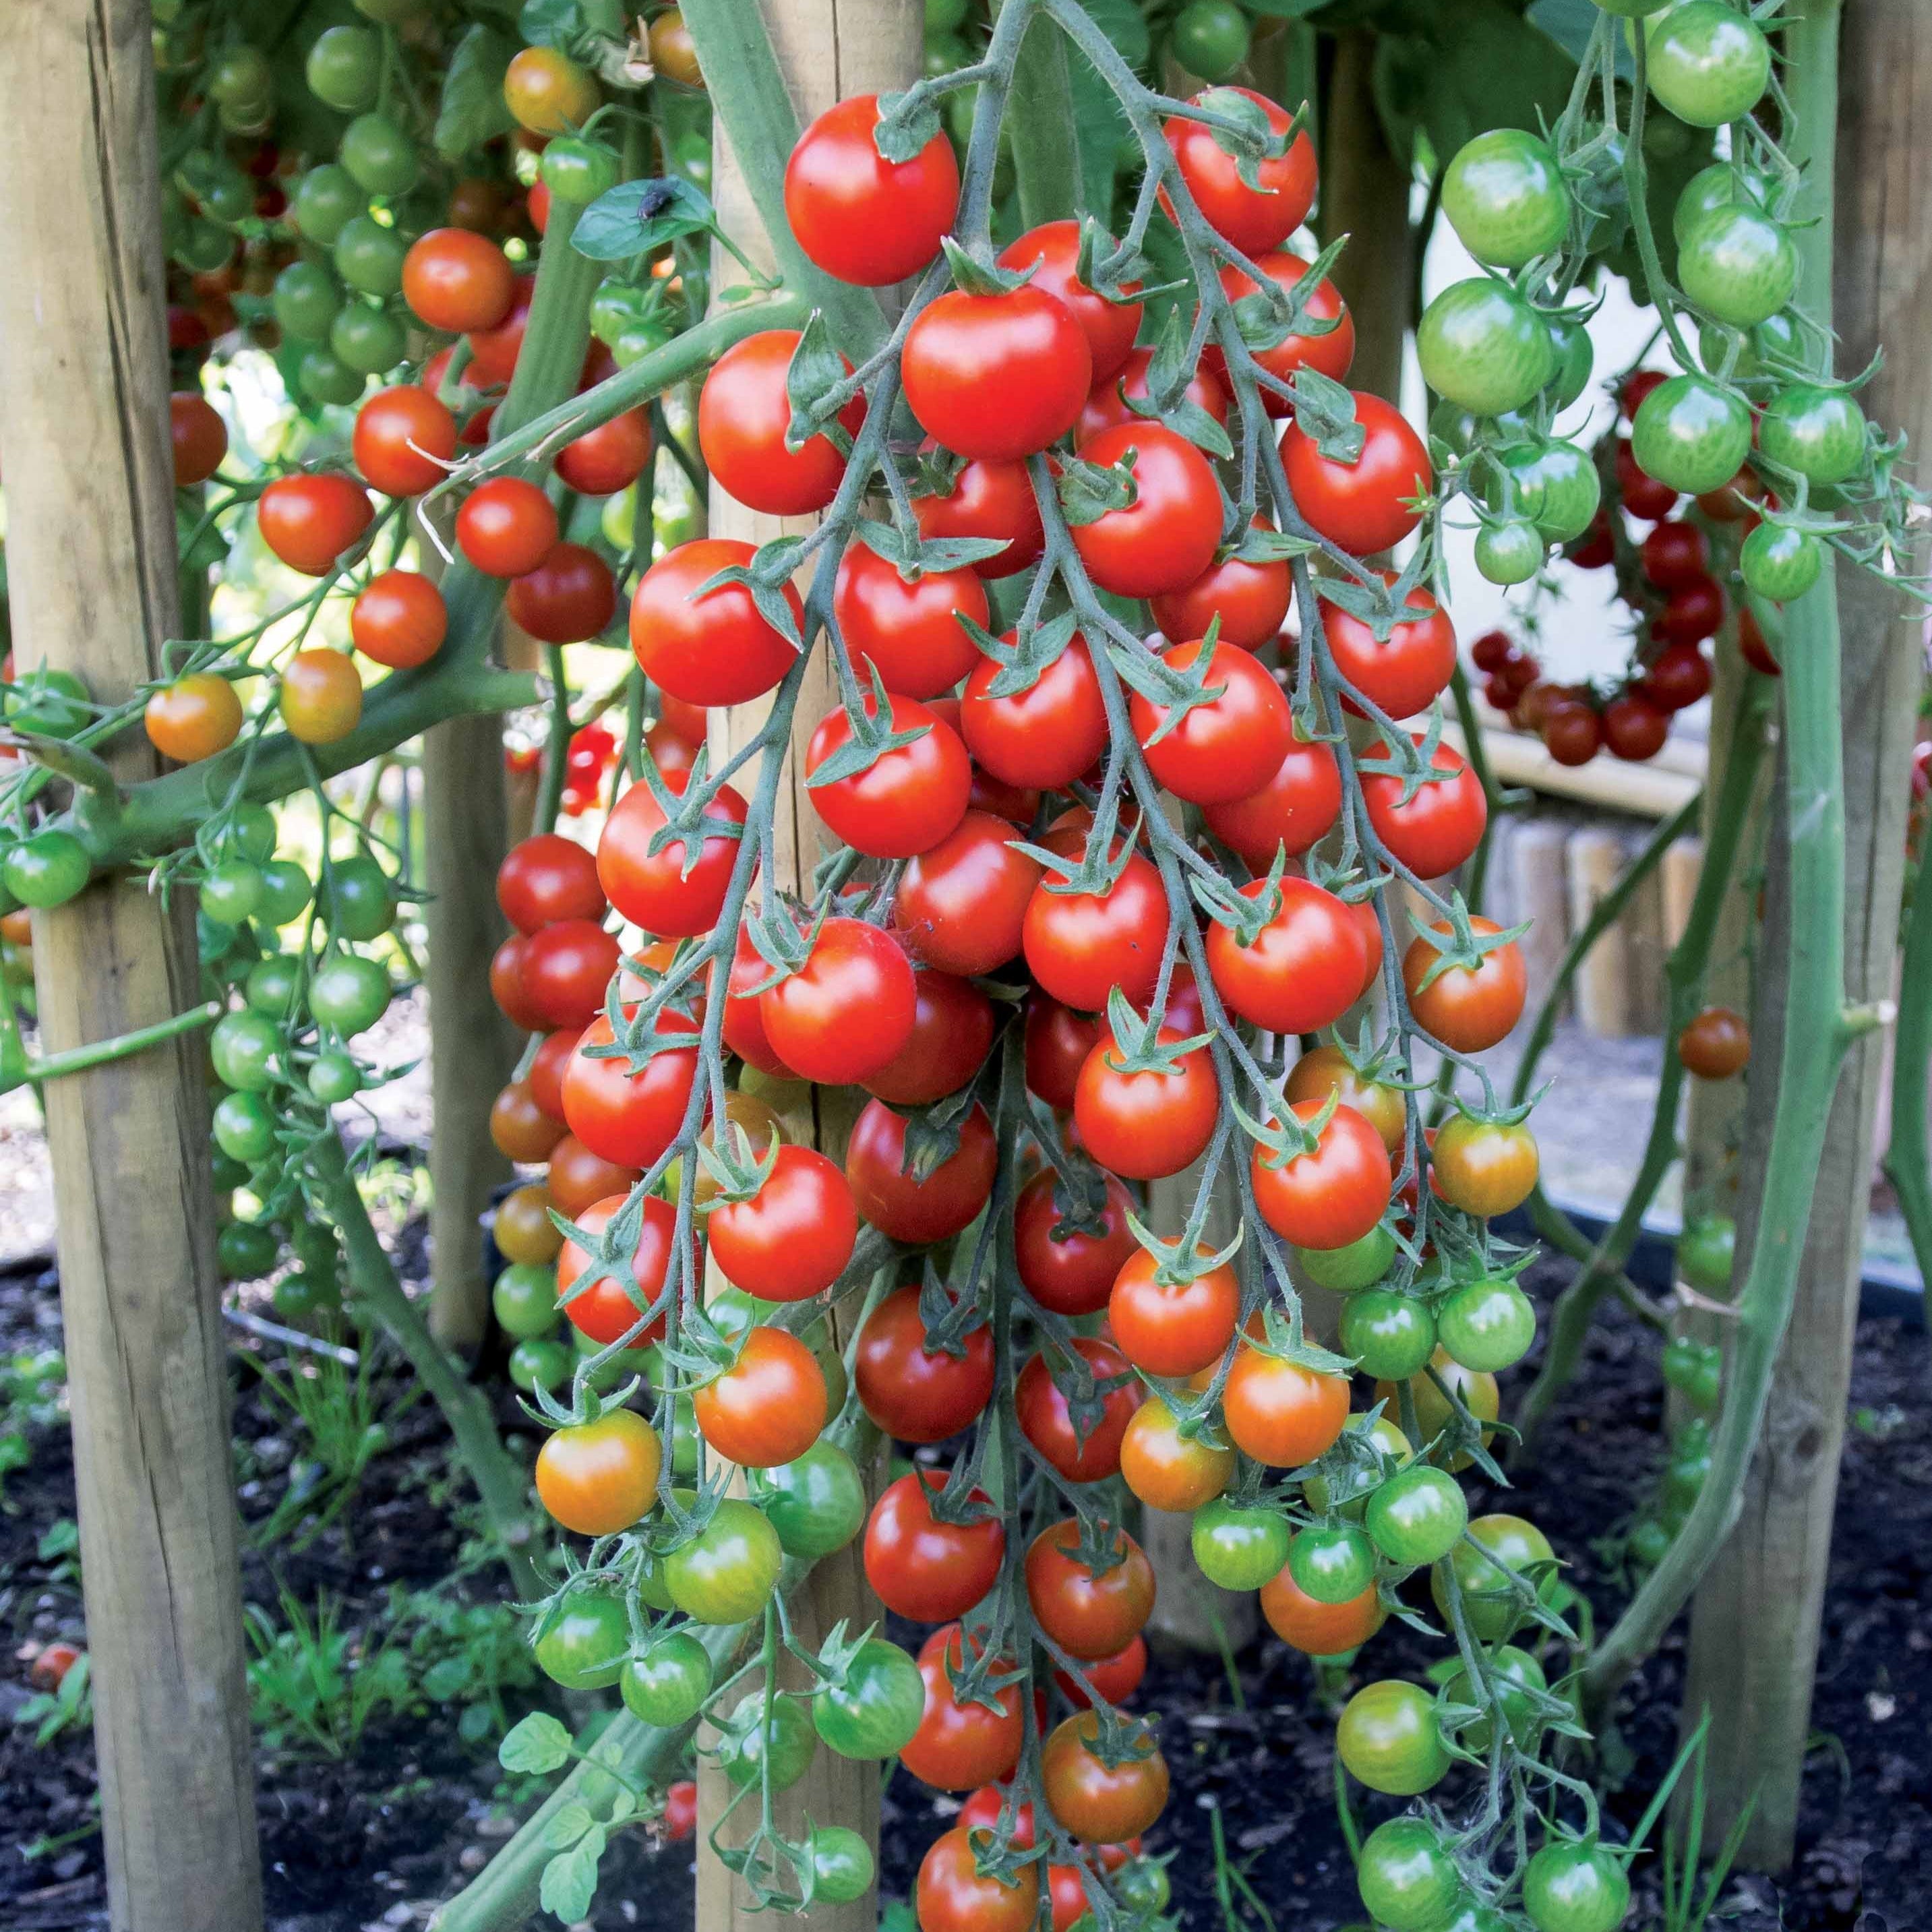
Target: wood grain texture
826	49
90	553
1755	1627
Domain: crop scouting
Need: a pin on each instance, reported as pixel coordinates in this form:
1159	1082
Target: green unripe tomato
1239	1549
1388	1739
1484	348
585	1640
524	1301
944	54
1333	1563
301	1295
536	1365
1418	1515
231	891
244	1127
1490	1602
618	519
47	869
286	890
1508	553
1576	359
1504	196
1345	1270
366	339
306	299
668	1684
1737	264
349	994
369	256
271	984
327	199
334	1077
204	247
345	68
1391	1336
245	1049
1555	486
1210	37
1408	1881
576	170
945	17
1649	1543
1387	1437
48	703
874	1713
1779	562
1709	63
1720	185
1514	1673
640	340
727	1572
357	903
615	306
324	377
250	834
1691	434
842	1869
379	156
1487	1325
755	1741
241	77
1573	1888
246	1250
1818	433
225	192
817	1504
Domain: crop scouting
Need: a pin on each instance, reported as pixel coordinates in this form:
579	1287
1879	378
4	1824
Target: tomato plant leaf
472	113
551	23
536	1744
569	1884
813	379
636	216
566	1826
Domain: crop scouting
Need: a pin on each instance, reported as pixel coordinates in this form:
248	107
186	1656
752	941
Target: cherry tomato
858	217
1070	1272
908	799
457	280
1168	1327
910	632
1319	1629
1280	1413
988	500
952	1031
744	412
1079	945
1250	599
1405	672
1110	402
547	878
308	520
1103	1804
604	1311
1715	1044
1254	221
607	459
768	1405
915	1393
848	1010
1324	1070
628	1118
950	1895
1052	251
1045	736
1481	1167
1089	1615
1150	1124
1057	1042
404	441
1291	812
1634	728
1362	505
193	718
996	376
1168	1470
597	1478
918	1211
1227	748
506	527
1304	969
399	620
792	1238
1388	1739
676	893
962	900
707	647
1047	1422
1440	826
1467	1010
578	1179
1167	536
568	598
923	1568
321	696
1328	354
199	437
564	969
1333	1195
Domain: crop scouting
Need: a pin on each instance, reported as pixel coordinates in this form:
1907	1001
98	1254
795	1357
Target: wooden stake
91	554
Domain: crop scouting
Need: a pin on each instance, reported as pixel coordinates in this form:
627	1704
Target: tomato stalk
57	1066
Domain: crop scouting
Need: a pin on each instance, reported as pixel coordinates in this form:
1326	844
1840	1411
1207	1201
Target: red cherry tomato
1167	536
1079	945
568	598
906	1209
922	1567
952	1031
1252	221
993	500
1404	673
608	458
908	799
547	878
675	893
1305	966
1331	1195
1440	826
1044	737
1146	1125
848	1010
915	1393
1296	807
744	412
308	521
962	904
1328	354
404	440
506	527
707	647
1226	748
858	216
996	376
1046	1421
1363	506
910	632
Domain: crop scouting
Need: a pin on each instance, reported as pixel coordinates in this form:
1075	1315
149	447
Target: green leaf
566	1826
569	1884
551	23
472	113
539	1744
637	216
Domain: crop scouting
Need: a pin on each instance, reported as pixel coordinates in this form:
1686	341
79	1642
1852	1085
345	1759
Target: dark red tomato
1440	827
1089	1616
1634	728
744	1021
1047	1422
908	799
1363	506
1469	1010
1058	1040
548	1069
952	1031
568	598
1045	736
1297	806
950	1895
1227	749
848	1010
604	1311
1328	355
455	280
565	969
707	647
1405	672
308	521
1173	1327
924	1569
1716	1044
1636	385
577	1178
399	619
858	216
910	632
1641	495
792	1238
743	413
1332	1195
1250	599
962	904
958	1745
915	1393
1168	535
675	893
506	527
1572	733
1080	945
404	440
1680	677
1145	1125
493	352
996	376
1253	221
547	878
983	1811
1072	1273
608	458
626	1117
198	436
1052	252
506	986
1115	1678
1752	647
1305	966
1693	611
1107	405
1675	553
920	1212
993	500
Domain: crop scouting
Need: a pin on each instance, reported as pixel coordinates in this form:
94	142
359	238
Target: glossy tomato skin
953	1028
507	527
922	1568
1716	1044
993	500
1168	535
1388	1740
568	598
1058	1040
1304	970
1166	1470
743	413
676	892
1253	222
604	1311
997	376
1324	1070
1172	1327
1295	808
910	632
193	718
627	1118
1227	749
792	1238
1278	1412
578	1178
1363	506
1147	1125
404	441
1315	1629
308	520
1104	1806
1440	826
858	216
1482	1168
199	437
1089	1617
1042	737
1634	728
596	1478
399	620
1332	1195
1052	251
744	1021
915	1393
1047	1422
1329	355
918	1211
547	878
909	798
962	903
1406	672
565	969
848	1010
1079	945
1073	1275
608	458
950	1895
456	281
768	1406
1469	1011
711	648
1251	600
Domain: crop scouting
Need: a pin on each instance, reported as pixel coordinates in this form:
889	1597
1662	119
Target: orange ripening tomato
599	1477
193	718
1467	1010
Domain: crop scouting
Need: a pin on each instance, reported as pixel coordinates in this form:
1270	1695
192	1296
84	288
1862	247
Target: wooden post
1595	859
826	49
1754	1629
1541	897
91	554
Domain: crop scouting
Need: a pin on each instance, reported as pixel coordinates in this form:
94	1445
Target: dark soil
378	1838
